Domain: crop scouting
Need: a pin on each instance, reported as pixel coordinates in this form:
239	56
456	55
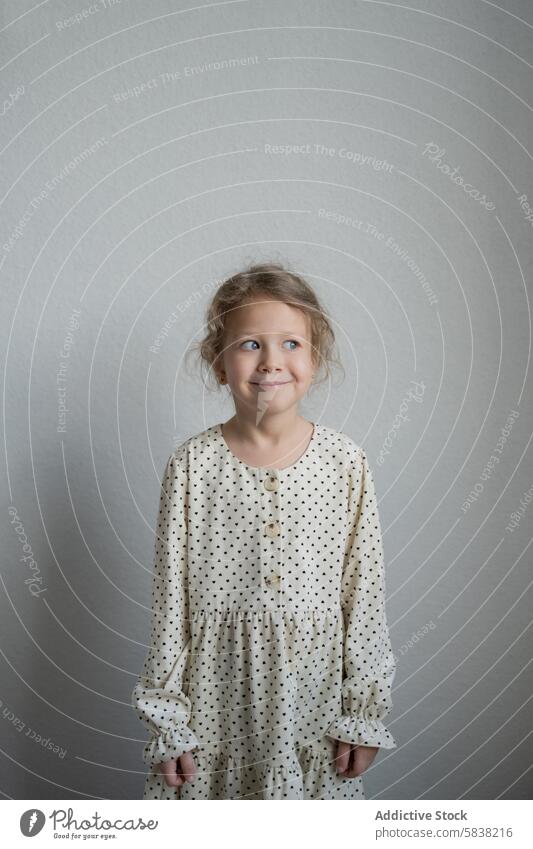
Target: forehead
267	316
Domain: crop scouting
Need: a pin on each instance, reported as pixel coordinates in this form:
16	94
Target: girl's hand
353	760
179	770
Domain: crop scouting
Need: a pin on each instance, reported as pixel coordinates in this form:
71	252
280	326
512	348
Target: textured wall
379	148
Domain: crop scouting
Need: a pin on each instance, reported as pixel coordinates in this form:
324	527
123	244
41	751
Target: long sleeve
160	695
369	664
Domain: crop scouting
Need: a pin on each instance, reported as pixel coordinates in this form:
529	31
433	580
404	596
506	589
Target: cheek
242	367
302	367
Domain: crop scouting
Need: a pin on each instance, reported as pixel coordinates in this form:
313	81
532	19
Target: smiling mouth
274	383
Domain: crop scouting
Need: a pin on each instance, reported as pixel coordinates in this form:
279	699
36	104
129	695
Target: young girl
270	667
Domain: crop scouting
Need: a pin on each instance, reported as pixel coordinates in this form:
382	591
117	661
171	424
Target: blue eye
254	342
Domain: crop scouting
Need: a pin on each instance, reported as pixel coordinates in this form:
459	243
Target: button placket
272	532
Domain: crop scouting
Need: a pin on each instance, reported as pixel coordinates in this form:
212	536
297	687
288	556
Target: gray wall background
131	185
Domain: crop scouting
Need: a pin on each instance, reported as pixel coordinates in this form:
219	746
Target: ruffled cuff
358	731
169	744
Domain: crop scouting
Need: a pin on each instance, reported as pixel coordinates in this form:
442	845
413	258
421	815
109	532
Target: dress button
273	580
271	483
272	529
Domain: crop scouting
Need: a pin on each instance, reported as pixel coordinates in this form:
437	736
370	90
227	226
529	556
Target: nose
270	360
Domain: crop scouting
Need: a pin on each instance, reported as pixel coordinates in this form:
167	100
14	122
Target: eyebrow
268	333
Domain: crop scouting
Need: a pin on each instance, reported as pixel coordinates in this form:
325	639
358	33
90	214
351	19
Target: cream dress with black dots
269	637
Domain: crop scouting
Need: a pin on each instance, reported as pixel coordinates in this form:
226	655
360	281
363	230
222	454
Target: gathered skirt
264	686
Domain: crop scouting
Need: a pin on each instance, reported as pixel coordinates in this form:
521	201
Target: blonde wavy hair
274	281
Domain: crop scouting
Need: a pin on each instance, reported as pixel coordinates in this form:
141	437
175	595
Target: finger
354	767
343	757
168	770
348	772
171	771
172	779
362	758
187	766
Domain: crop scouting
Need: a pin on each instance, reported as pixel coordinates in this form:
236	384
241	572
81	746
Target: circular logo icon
31	822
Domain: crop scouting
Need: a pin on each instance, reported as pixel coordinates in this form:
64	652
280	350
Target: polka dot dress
269	638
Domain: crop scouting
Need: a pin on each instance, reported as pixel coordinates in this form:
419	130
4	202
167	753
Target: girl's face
267	355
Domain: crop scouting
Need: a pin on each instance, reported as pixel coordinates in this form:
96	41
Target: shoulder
341	447
196	450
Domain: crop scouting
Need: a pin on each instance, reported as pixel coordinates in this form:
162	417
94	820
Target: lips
269	385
